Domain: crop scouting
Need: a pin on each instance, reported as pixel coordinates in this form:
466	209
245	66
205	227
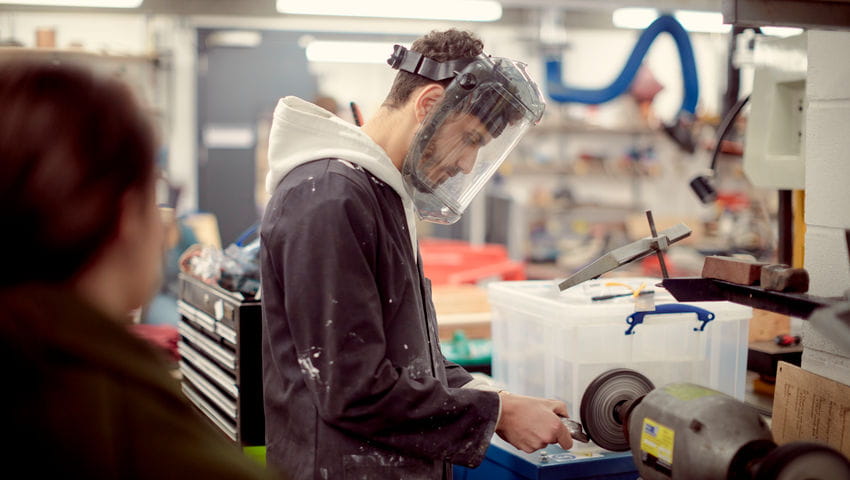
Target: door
241	76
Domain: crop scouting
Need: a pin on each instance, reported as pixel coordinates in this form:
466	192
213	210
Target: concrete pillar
827	189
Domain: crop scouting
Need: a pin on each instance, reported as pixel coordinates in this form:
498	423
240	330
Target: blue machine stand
504	462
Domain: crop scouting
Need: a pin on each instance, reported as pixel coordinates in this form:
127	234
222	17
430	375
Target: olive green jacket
83	398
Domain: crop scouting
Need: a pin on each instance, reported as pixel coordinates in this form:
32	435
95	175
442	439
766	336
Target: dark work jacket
355	384
83	398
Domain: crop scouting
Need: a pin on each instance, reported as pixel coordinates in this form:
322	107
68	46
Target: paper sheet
809	407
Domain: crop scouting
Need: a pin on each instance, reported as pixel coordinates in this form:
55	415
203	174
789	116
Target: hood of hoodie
302	132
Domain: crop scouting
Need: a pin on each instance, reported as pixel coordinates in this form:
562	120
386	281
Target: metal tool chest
220	362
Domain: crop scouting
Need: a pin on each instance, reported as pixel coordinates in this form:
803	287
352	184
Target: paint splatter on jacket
355	385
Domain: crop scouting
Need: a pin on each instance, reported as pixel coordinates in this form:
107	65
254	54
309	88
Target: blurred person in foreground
355	384
82	247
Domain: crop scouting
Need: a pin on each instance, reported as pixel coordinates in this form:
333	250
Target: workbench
462	307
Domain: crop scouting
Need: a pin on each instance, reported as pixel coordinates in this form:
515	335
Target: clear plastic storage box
552	344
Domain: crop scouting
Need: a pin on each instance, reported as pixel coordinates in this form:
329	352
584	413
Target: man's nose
467	161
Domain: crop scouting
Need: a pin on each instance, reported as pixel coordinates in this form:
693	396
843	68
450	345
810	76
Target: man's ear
426	99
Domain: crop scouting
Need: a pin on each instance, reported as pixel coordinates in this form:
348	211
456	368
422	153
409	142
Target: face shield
486	109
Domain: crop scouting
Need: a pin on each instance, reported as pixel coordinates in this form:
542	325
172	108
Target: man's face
453	149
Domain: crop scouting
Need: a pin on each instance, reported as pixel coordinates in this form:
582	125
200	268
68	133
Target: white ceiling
711	5
266	7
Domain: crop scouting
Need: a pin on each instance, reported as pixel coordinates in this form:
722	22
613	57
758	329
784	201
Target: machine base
505	462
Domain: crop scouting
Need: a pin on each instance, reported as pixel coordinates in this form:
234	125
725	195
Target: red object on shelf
454	262
733	201
786	340
651	267
162	337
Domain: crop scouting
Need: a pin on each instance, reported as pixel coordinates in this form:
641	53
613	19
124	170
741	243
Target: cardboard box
809	407
766	325
461	307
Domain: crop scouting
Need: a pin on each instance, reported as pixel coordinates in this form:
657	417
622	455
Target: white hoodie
302	132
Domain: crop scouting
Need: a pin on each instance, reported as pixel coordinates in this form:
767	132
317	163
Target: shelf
74	54
583	128
621	175
521	170
695	289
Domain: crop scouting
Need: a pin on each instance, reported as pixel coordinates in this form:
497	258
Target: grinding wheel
602	402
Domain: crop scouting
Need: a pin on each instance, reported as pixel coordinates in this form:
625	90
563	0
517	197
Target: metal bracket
627	254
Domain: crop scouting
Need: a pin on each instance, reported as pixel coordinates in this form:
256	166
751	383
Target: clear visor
462	147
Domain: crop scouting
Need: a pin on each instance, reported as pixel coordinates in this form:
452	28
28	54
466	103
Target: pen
608	297
355	111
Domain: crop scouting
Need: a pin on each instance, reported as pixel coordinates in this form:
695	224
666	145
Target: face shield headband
485	110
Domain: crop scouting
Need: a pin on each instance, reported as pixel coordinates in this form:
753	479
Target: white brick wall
828	65
828	160
827	189
826	260
829	365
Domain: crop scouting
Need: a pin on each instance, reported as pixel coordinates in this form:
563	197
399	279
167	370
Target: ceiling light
76	3
349	52
234	38
463	10
781	31
634	17
706	22
691	20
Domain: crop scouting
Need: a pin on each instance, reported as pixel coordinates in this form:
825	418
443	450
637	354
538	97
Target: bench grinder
684	431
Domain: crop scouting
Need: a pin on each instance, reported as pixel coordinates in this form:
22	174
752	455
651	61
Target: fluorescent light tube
463	10
235	38
349	52
76	3
691	20
639	18
781	31
706	22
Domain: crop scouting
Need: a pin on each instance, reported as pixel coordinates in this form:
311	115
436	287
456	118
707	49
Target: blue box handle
703	315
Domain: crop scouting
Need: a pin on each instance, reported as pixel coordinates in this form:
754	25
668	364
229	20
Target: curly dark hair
439	46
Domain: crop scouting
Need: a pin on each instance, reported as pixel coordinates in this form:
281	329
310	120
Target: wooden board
767	325
809	407
462	307
205	227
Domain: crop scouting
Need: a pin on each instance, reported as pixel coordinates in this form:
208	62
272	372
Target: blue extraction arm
665	23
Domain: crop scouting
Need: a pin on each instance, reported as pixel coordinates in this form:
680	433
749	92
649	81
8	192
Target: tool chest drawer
220	362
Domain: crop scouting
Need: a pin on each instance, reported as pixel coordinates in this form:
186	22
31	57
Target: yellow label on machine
657	440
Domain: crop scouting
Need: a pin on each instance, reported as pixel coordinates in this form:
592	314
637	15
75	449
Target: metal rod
847	239
785	220
660	255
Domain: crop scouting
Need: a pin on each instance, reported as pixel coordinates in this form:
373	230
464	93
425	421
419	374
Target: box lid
605	298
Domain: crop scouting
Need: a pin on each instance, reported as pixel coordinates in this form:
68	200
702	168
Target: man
355	384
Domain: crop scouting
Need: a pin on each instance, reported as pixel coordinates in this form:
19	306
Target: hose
665	23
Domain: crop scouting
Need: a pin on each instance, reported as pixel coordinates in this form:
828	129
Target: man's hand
530	423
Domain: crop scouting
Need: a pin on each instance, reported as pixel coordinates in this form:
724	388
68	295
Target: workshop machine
685	431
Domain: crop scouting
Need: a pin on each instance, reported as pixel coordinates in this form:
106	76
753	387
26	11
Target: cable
724	127
702	184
